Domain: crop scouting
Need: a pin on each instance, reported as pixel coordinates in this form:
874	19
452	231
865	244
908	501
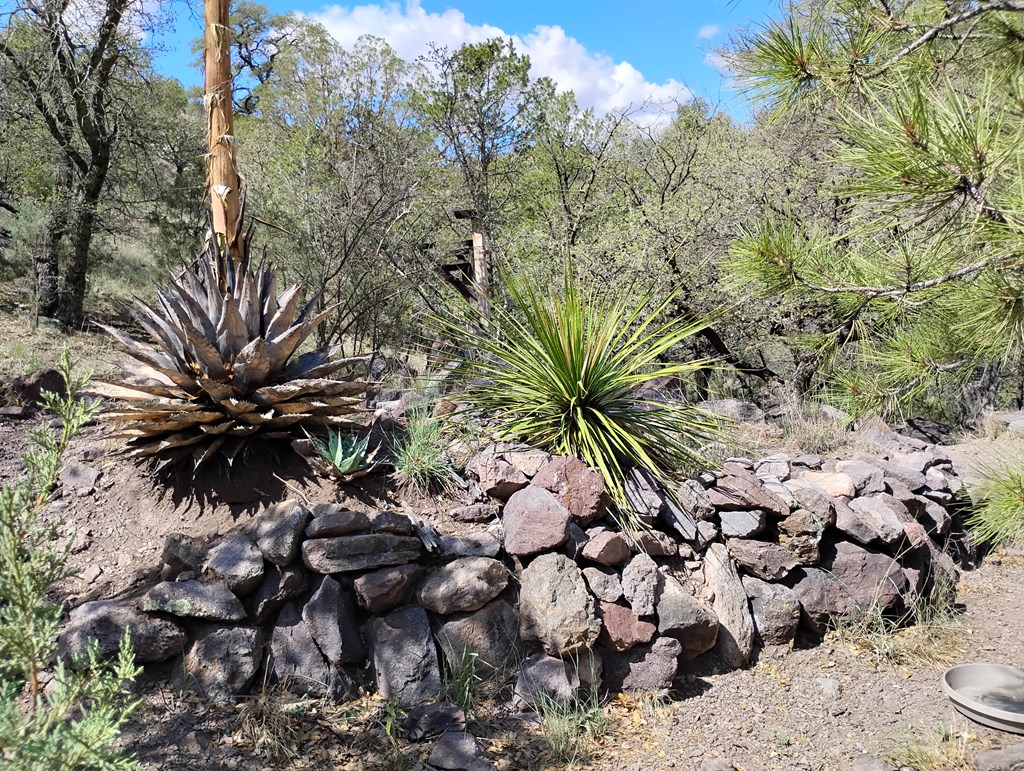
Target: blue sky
611	54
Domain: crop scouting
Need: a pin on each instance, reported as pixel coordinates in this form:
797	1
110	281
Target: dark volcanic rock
191	599
330	615
238	562
278	531
386	588
644	668
492	633
404	657
336	521
776	611
359	552
279	585
466	584
223	661
761	558
105	622
684	618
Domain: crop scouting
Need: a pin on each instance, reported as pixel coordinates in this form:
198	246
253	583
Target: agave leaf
164	334
219	391
243	430
256	418
307	362
252	367
198	315
126	391
285	313
268	298
239	406
206	355
232	335
202	454
154	359
249	306
172	442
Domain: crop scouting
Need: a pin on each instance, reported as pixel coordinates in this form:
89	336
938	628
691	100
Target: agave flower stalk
222	368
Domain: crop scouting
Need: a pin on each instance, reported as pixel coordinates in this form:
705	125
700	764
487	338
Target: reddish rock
579	488
388	588
607	548
764	560
621	629
498	477
535	521
733	493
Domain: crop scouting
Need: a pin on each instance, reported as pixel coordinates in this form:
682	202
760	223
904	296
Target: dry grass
944	749
26	347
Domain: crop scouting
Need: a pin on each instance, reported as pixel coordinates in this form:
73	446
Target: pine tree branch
1016	6
897	291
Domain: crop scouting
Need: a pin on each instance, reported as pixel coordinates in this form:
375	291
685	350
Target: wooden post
223	183
480	261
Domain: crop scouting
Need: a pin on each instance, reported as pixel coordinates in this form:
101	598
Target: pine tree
67	717
927	266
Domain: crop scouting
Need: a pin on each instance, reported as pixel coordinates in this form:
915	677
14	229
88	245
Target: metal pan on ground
989	694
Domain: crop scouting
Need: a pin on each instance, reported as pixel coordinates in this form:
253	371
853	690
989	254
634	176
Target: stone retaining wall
540	580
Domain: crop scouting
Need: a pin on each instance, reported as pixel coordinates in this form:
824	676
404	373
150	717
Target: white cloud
597	80
707	32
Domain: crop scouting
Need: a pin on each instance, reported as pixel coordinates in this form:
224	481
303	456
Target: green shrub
998	516
560	372
421	458
72	723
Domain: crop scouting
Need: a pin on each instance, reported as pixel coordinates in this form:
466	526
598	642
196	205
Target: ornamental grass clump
998	515
564	372
223	369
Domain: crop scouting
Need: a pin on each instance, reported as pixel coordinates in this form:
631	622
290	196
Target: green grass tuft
998	516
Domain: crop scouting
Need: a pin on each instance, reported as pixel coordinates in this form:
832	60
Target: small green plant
390	720
421	458
562	372
74	721
569	725
998	516
344	454
460	678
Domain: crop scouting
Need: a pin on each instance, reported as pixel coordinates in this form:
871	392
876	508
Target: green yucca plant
998	515
561	372
223	369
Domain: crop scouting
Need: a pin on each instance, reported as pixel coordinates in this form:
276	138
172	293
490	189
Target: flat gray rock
192	599
359	552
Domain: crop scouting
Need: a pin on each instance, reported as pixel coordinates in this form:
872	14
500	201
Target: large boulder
404	657
851	582
359	552
105	623
555	606
223	661
238	562
775	609
278	531
684	618
466	584
491	633
579	488
535	521
735	643
192	599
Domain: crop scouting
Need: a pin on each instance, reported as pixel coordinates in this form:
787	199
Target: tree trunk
71	305
47	266
222	173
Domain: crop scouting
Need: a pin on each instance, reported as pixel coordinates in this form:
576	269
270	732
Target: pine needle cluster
926	263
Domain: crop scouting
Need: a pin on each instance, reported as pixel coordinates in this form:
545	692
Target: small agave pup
223	370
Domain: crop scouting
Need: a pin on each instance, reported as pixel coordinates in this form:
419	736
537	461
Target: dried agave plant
223	369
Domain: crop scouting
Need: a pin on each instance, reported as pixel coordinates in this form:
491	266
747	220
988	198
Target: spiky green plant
223	369
343	455
998	515
561	372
